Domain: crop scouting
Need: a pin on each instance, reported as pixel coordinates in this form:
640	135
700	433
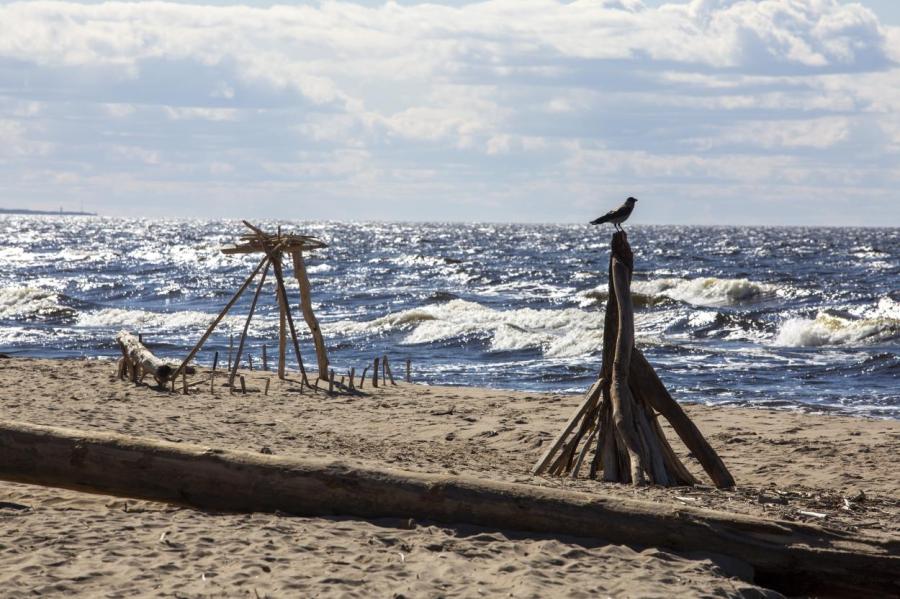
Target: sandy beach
843	472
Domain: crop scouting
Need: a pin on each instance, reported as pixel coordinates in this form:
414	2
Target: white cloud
496	98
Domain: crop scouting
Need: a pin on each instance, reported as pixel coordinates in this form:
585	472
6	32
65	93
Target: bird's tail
601	220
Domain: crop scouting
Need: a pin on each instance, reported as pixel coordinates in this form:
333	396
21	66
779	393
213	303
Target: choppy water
798	317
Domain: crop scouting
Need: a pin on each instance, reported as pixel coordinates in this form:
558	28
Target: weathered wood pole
309	315
282	338
818	561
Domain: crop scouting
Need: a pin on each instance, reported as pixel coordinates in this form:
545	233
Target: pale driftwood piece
352	375
387	368
375	374
651	387
243	339
266	392
308	314
243	385
816	560
589	399
141	360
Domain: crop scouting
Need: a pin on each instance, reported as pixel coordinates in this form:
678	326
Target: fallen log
140	361
807	557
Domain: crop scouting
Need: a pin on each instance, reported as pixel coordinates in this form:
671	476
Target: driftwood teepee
274	246
618	418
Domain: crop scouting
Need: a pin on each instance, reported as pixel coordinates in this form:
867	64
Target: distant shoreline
46	212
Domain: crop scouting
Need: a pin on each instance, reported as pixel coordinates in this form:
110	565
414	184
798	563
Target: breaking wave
709	291
831	327
556	333
23	303
145	320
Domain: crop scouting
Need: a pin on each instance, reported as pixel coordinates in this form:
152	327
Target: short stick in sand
387	369
375	373
362	378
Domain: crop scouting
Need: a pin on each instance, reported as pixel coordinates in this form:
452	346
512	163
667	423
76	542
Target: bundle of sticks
617	420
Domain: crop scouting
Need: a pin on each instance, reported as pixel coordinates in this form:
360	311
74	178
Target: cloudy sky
709	111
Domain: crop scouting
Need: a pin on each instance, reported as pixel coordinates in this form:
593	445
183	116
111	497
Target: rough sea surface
803	318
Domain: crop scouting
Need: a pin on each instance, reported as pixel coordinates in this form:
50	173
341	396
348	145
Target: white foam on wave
873	325
146	320
708	291
18	302
557	333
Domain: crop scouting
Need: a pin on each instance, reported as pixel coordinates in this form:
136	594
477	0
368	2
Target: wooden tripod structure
618	418
274	246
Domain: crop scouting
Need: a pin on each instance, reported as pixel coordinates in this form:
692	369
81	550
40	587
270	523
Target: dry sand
58	542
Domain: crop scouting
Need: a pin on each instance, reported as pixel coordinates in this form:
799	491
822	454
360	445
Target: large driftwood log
138	361
806	555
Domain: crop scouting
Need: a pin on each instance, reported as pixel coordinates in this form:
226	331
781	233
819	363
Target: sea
790	318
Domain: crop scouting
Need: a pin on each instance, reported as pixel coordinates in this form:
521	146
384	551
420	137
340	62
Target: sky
757	112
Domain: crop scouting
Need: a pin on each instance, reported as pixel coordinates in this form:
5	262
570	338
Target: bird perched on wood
617	216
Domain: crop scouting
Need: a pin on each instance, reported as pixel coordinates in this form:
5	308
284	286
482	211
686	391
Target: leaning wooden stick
221	315
362	378
387	369
240	350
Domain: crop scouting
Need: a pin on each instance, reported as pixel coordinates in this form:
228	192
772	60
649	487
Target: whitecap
558	333
830	328
23	302
708	291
